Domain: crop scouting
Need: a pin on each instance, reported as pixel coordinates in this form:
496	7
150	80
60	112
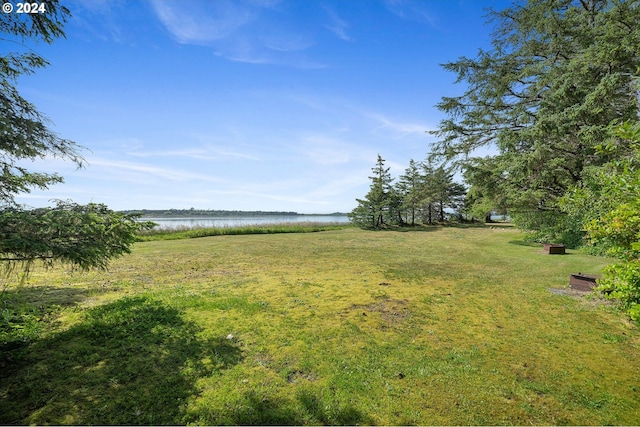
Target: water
239	221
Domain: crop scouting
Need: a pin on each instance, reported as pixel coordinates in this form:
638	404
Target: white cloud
324	150
241	31
342	184
411	10
283	42
209	153
150	173
202	22
273	193
337	26
399	128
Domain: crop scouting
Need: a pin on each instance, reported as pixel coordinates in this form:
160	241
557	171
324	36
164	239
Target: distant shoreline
188	213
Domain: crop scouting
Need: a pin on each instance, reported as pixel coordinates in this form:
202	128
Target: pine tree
380	206
425	191
558	73
410	188
441	192
83	236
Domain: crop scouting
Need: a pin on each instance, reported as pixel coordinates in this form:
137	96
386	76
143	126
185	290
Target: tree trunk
400	219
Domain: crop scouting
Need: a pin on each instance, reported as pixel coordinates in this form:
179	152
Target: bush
622	283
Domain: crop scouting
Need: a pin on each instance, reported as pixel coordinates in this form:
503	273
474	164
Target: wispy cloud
336	25
324	150
109	28
411	10
203	22
276	196
110	20
209	153
340	185
399	128
242	31
148	172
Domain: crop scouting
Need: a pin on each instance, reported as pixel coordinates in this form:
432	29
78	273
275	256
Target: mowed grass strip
447	326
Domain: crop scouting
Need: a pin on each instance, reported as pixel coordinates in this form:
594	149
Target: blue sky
247	104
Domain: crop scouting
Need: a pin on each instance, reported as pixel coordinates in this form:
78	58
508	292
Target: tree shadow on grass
133	361
307	408
325	414
407	228
24	309
418	228
45	295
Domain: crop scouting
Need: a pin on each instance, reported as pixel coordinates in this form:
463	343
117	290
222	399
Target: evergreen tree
441	192
23	129
424	191
428	192
380	206
485	195
410	188
559	72
84	236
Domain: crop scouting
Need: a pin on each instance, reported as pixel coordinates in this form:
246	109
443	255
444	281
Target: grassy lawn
445	326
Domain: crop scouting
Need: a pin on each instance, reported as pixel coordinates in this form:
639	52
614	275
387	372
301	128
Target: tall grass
184	232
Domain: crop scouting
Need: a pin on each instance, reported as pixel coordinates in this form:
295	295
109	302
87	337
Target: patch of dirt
569	291
297	375
588	296
391	310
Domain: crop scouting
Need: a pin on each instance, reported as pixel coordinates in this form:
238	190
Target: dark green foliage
485	195
41	26
379	207
410	188
607	206
441	192
558	73
424	193
24	133
83	236
606	203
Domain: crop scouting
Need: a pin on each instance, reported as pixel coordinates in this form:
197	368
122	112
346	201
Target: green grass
277	228
448	326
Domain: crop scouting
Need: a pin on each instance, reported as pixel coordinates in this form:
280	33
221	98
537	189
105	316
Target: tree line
423	194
